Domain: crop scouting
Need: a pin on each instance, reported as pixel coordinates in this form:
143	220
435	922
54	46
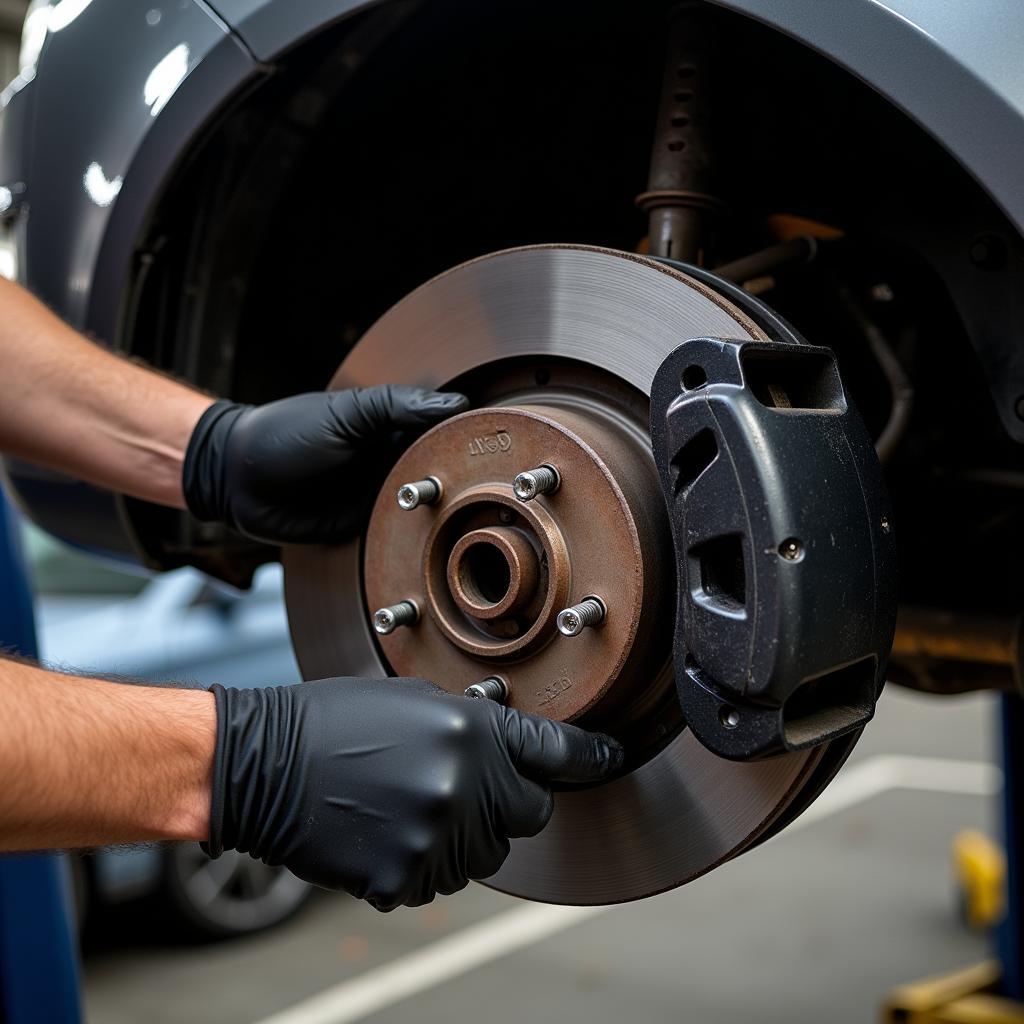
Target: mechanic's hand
305	469
390	789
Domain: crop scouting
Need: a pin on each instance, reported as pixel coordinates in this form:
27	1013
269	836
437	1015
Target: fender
85	151
95	150
92	134
270	27
102	142
952	68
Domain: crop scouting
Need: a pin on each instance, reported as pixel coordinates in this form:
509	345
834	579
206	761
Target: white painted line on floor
876	775
434	964
508	932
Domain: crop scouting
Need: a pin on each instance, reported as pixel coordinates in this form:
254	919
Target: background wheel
231	896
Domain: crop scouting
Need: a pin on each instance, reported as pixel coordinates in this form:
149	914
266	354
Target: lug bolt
492	688
535	482
422	492
387	620
589	612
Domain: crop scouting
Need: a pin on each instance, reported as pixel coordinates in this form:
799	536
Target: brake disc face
557	347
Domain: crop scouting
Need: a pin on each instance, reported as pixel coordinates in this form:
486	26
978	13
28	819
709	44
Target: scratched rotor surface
566	331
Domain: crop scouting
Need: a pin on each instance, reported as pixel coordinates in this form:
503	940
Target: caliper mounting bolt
535	482
387	620
422	492
492	688
590	612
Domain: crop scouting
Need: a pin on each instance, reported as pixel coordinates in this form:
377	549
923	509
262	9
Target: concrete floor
817	924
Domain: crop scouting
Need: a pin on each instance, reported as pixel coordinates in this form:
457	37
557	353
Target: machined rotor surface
561	312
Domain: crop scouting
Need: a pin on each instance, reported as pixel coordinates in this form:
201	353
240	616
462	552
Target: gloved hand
390	789
304	469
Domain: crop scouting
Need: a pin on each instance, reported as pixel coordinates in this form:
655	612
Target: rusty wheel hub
556	347
491	572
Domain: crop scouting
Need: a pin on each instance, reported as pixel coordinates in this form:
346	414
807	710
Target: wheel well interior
416	136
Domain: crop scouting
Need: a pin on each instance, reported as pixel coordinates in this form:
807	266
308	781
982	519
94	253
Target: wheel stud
535	482
422	492
590	612
387	620
492	688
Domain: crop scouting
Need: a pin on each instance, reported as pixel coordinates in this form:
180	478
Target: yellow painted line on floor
508	932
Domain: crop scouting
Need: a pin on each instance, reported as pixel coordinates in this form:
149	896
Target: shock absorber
678	199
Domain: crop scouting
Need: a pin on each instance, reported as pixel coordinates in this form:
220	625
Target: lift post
991	992
38	946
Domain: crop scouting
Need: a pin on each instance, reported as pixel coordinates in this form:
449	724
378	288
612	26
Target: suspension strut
678	199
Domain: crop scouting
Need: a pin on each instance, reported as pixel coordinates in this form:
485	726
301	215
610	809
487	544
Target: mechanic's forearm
92	763
73	406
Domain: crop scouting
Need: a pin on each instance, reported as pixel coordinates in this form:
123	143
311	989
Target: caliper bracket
784	545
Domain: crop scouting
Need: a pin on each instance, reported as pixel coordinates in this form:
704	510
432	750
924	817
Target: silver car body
98	123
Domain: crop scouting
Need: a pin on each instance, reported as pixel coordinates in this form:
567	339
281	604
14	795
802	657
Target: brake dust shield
557	347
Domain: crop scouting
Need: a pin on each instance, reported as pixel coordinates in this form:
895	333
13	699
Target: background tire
231	896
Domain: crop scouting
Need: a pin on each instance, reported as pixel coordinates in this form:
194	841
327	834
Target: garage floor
817	924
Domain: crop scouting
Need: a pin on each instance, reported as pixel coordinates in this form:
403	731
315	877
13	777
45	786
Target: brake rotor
557	347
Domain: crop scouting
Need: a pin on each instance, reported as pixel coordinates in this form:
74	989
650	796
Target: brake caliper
784	545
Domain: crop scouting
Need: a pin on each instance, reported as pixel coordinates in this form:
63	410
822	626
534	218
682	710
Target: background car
98	618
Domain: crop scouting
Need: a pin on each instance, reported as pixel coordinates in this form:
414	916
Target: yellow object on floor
965	997
981	872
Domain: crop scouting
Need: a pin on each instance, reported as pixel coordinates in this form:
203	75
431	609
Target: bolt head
729	717
492	688
569	623
988	252
525	486
384	621
422	492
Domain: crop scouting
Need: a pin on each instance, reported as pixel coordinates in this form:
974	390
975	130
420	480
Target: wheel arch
81	257
952	69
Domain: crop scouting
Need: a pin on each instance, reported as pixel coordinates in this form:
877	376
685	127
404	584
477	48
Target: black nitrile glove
303	469
390	789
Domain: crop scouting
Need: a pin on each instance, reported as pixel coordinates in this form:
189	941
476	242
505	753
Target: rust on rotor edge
492	573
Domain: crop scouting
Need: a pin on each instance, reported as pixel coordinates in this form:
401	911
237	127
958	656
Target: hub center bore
479	538
490	571
493	572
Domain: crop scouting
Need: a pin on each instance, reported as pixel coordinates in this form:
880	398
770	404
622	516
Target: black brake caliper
784	545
